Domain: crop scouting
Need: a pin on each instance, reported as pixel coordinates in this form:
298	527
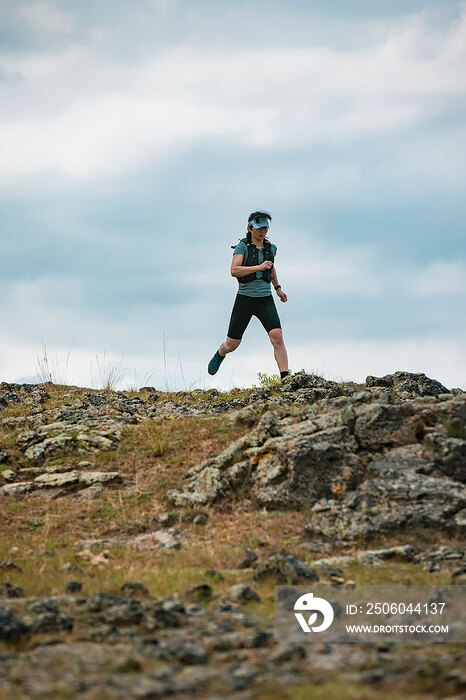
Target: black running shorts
245	307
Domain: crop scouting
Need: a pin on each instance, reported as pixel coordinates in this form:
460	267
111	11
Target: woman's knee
276	337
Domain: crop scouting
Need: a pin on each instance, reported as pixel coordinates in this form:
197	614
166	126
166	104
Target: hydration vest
253	259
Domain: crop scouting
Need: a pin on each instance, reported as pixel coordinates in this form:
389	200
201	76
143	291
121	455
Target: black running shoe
215	363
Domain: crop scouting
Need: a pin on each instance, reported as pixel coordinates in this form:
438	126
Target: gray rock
10	565
388	504
11	397
200	592
459	521
70	433
280	464
368	556
244	639
49	447
101	601
128	612
448	454
69	567
134	590
241	676
285	569
297	468
200	519
288	651
46	605
375	425
167	519
52	622
17	489
8	475
9	591
168	613
92	478
90	493
157	538
59	479
240	593
407	385
12	628
3	456
215	575
442	556
190	652
458	577
249	559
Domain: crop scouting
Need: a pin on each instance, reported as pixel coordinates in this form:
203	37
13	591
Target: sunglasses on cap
260	217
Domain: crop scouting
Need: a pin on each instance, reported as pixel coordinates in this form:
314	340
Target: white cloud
110	117
340	272
102	136
47	17
441	277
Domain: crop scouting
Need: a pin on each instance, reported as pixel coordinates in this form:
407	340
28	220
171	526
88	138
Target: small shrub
456	429
268	381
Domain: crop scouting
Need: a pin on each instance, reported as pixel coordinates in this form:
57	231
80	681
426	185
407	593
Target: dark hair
248	236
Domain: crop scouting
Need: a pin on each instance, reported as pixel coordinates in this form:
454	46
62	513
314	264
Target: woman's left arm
281	295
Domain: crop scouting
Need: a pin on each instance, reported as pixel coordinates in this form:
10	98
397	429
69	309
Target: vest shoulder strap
241	240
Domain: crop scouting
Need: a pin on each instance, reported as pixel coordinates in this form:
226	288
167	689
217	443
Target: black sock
284	374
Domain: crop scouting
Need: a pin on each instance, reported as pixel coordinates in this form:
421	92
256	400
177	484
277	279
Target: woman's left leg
279	349
267	313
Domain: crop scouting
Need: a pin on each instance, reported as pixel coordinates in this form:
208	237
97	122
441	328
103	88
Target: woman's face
259	233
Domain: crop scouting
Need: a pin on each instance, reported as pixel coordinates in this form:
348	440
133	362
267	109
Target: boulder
17	489
280	464
12	628
127	612
389	503
376	424
57	479
9	591
448	454
407	385
285	569
52	622
241	593
91	478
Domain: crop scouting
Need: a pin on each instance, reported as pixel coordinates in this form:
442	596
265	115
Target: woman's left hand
282	296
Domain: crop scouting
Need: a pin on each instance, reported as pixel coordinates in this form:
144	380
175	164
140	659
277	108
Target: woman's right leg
240	317
229	345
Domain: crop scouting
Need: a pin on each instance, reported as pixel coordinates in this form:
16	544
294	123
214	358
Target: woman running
253	265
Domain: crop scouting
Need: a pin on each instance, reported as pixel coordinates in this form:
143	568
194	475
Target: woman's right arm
238	270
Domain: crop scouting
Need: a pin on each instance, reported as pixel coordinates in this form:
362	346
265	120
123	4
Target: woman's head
259	224
259	219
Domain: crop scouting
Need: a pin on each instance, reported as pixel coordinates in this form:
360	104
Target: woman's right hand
266	265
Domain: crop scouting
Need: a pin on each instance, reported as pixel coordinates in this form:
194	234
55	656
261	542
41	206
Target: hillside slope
143	533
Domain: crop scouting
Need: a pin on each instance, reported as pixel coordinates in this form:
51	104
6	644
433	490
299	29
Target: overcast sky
136	137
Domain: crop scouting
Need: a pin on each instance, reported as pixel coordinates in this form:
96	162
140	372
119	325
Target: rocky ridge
364	464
